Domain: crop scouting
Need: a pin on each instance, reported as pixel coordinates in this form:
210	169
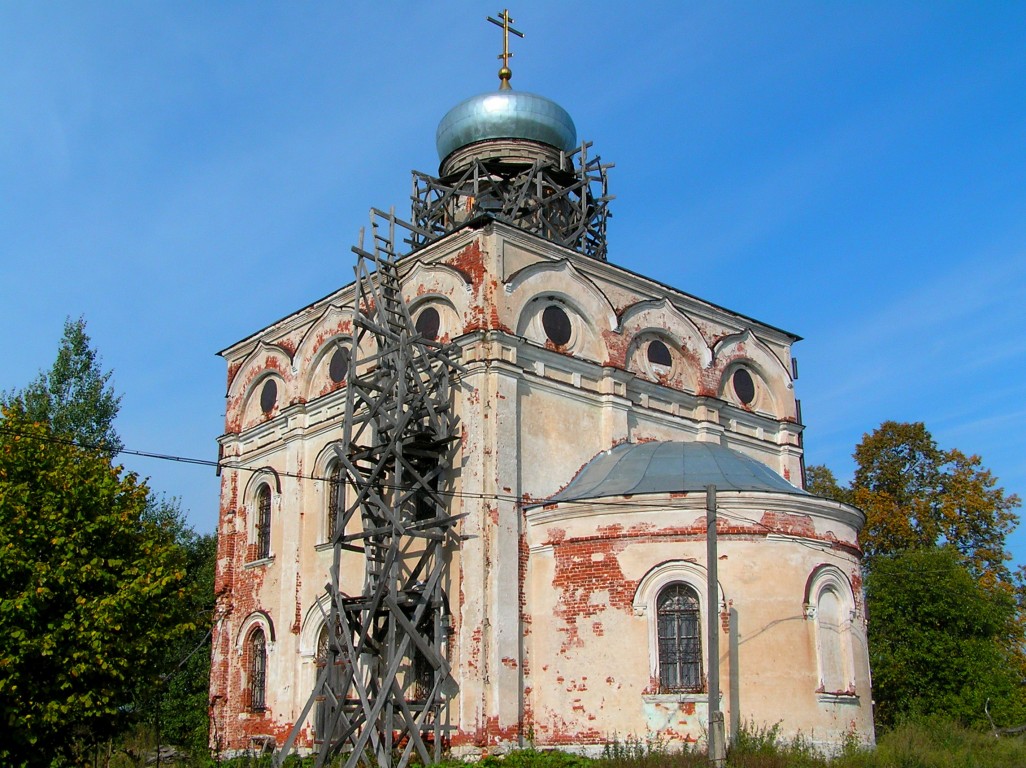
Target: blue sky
183	174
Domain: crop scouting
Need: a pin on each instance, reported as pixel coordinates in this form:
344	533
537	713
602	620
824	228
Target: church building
595	406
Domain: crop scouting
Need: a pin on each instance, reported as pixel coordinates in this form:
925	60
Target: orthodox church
596	407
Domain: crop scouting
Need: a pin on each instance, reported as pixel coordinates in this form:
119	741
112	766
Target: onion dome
505	114
671	467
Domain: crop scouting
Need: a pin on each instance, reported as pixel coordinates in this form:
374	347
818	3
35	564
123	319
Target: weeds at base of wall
925	743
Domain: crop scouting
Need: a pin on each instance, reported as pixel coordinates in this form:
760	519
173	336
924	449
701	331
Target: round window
744	386
268	396
659	354
556	324
338	368
428	323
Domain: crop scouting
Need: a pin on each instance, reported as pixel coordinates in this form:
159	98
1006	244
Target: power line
224	465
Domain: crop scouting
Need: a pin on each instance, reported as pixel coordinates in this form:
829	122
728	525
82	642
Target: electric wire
225	464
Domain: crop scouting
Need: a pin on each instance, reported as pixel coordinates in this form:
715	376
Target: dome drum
511	152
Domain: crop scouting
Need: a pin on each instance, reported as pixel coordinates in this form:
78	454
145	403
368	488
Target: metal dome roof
671	467
505	114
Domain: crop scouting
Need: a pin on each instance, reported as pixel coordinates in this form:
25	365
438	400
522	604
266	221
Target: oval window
556	324
428	323
659	354
268	396
744	386
338	368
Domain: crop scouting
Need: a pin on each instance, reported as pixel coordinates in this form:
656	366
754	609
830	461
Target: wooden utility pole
716	739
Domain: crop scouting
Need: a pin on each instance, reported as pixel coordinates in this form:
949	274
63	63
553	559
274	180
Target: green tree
75	396
947	619
820	481
176	709
184	703
90	591
937	641
916	495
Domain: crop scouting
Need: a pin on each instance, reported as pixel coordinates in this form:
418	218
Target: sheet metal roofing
671	467
505	115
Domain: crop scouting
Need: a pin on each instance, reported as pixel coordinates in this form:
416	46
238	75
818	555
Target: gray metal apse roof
671	467
505	115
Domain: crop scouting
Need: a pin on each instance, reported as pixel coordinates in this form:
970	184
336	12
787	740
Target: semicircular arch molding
264	358
560	278
745	349
826	576
591	315
667	572
313	621
336	320
450	324
438	280
257	619
266	474
662	317
317	379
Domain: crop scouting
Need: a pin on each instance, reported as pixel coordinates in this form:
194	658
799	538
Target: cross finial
504	21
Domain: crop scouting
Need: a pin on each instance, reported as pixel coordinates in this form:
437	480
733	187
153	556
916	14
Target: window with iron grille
263	522
680	639
334	497
257	671
322	646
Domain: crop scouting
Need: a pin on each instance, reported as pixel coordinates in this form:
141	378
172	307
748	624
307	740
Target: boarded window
257	671
263	522
680	639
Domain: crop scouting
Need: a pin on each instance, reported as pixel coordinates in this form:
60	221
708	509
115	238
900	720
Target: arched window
257	671
680	639
322	646
335	499
263	522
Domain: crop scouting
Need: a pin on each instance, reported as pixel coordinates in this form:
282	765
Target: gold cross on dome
504	21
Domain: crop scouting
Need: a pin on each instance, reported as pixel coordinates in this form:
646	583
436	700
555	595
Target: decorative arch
773	380
266	361
662	318
439	280
257	618
318	380
562	278
330	480
260	512
267	474
335	320
313	623
654	584
829	604
537	286
450	324
264	357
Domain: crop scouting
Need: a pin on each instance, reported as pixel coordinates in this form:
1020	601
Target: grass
926	743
